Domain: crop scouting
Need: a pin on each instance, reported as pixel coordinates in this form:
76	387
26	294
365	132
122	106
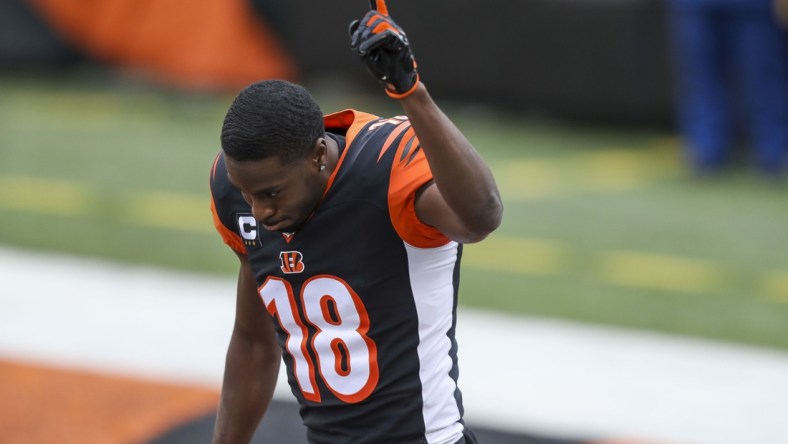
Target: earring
322	168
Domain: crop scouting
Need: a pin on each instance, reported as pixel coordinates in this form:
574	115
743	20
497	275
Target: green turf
118	170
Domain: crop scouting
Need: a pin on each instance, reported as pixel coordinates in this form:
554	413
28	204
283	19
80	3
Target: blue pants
732	61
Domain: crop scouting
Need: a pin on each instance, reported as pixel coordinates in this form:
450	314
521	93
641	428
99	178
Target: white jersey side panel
431	277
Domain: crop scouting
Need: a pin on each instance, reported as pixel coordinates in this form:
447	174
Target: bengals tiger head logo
291	262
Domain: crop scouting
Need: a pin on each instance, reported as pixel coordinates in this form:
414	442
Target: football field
603	231
104	352
601	224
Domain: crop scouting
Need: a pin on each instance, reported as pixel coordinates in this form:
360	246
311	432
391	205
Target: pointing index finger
380	6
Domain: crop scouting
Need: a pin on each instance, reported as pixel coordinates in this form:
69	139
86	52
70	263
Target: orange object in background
207	44
42	405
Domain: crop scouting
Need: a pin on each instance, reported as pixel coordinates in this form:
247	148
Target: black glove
384	49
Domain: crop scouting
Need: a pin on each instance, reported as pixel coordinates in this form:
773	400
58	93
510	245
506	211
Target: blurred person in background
349	231
781	10
732	65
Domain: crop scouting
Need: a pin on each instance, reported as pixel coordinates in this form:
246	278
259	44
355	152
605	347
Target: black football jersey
364	295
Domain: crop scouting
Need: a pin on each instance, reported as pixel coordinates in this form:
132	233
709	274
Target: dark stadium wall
603	60
27	42
585	60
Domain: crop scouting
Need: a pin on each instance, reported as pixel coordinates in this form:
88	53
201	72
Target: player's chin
288	230
283	226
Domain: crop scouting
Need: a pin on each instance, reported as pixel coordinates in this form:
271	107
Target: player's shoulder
366	132
224	195
347	120
358	125
220	184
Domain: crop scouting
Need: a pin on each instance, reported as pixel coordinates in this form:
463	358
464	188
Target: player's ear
320	151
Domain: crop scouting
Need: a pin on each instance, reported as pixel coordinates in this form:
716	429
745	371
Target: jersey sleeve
409	173
222	196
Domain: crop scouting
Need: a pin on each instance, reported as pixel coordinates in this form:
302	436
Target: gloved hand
385	50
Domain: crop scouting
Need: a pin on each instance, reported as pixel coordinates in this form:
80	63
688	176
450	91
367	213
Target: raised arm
251	368
463	202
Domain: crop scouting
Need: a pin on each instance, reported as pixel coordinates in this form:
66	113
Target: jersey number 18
346	356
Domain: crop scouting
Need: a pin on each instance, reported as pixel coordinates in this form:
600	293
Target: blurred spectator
733	75
781	9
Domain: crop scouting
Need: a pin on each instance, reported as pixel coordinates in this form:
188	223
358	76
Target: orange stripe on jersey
352	122
232	239
409	172
394	134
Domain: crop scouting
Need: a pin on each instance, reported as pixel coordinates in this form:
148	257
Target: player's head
272	118
276	152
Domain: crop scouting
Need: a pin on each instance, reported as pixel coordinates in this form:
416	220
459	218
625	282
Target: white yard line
529	374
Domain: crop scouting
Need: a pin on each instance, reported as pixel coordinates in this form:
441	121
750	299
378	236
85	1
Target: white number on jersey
346	356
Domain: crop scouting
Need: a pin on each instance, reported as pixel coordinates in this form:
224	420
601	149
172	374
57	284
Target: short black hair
272	118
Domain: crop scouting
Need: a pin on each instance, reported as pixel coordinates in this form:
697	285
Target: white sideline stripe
528	374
